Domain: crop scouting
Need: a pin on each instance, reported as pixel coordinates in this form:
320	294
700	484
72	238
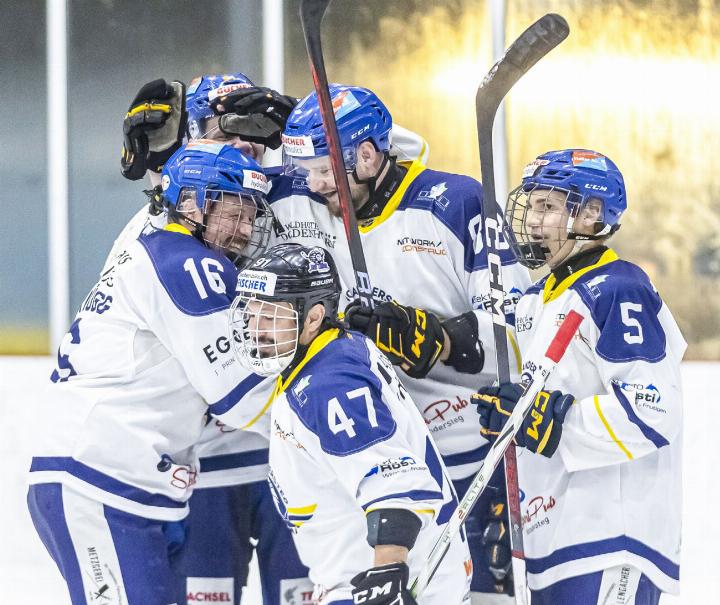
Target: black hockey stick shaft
311	15
531	46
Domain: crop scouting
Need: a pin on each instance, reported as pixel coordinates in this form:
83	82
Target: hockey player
601	483
354	471
115	461
231	507
229	503
420	231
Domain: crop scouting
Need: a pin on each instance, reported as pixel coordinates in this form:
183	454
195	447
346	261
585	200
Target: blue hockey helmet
581	176
220	192
202	91
360	116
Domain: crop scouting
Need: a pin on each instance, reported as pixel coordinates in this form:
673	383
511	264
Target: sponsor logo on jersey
444	413
510	301
252	179
106	588
412	244
210	590
316	260
393	466
220	347
535	513
96	301
307	229
182	477
257	282
288	436
436	194
296	591
593	286
523	323
378	295
299	390
645	396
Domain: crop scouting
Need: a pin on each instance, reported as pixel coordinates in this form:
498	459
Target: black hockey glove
256	114
466	351
384	585
411	338
153	128
542	428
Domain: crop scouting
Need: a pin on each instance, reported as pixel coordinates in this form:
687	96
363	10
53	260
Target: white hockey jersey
423	250
134	378
347	439
611	494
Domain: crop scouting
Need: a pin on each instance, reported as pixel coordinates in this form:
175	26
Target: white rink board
28	575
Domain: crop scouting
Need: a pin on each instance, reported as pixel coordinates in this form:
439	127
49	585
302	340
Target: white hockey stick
536	370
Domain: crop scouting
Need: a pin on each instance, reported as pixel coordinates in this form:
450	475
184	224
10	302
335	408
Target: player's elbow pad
394	526
466	351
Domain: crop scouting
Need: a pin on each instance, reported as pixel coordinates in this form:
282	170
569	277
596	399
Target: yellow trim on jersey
302	510
414	169
609	429
164	107
552	291
315	347
177	228
516	350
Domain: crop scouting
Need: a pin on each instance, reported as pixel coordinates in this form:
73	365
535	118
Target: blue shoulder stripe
416	494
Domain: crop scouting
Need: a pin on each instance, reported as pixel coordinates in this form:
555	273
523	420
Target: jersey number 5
635	335
338	420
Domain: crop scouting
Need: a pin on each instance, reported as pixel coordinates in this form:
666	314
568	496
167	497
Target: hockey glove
496	543
542	428
466	351
256	114
384	585
411	338
153	128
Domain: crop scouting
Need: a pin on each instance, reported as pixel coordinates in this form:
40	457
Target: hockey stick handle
533	385
311	15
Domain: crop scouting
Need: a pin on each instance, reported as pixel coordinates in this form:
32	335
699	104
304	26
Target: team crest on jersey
316	258
436	194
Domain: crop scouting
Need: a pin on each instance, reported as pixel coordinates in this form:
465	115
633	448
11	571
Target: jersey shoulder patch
338	397
198	280
624	306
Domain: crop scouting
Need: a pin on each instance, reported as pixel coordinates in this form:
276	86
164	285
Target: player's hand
542	428
411	338
256	114
370	586
153	128
496	543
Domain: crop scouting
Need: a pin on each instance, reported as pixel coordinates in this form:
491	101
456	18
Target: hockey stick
311	15
532	45
536	371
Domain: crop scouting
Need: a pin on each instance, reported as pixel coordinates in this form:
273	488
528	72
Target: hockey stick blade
311	16
536	373
531	46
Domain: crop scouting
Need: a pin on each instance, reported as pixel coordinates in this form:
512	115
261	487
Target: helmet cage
264	333
237	223
530	242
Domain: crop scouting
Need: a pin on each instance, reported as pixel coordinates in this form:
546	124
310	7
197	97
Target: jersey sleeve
186	305
637	354
381	459
470	260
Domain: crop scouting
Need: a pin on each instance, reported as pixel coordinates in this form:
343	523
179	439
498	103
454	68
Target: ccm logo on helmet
595	187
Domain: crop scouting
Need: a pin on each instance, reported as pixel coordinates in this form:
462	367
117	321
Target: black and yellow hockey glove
153	128
411	338
542	428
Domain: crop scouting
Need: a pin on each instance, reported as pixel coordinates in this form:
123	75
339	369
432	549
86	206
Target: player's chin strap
158	205
379	193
